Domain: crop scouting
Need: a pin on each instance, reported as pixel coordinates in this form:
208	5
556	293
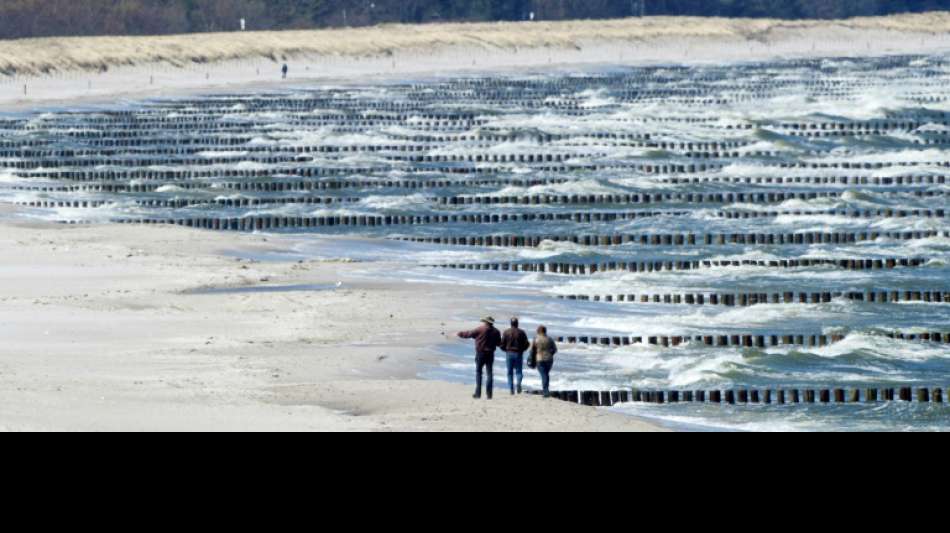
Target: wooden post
730	397
906	394
587	398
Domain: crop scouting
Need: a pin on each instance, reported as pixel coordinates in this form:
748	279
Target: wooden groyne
757	397
733	340
717	341
751	299
659	198
291	185
440	219
591	269
679	240
843	181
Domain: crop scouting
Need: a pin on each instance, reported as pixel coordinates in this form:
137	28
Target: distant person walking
285	70
515	343
487	340
542	356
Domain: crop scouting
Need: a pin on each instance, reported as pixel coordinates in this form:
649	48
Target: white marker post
243	24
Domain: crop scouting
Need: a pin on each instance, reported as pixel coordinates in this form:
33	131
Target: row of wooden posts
313	171
269	158
751	299
467	218
260	223
679	240
146	159
215	124
579	269
282	185
157	147
811	180
662	198
841	396
484	135
211	116
744	341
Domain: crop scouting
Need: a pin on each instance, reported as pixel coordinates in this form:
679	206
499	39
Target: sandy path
98	335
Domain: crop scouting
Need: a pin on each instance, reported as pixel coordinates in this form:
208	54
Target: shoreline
104	332
97	70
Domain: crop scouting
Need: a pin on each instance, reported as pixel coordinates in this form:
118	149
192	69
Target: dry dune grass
44	56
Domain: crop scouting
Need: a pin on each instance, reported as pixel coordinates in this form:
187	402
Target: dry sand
57	69
99	333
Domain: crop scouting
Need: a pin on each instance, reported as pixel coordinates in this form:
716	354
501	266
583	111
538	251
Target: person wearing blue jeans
484	368
515	372
487	339
544	368
515	343
542	355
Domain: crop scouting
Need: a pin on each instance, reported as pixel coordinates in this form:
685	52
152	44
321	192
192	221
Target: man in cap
487	340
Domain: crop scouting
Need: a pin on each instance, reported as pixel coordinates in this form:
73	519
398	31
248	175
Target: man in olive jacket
515	343
487	340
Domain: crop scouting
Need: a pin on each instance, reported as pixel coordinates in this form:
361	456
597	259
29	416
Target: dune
32	57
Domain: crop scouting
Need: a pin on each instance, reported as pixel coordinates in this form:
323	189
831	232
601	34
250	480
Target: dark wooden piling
906	394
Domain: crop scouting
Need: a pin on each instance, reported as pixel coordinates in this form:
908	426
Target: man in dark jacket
487	340
515	343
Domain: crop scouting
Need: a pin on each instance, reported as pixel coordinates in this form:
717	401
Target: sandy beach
67	71
101	332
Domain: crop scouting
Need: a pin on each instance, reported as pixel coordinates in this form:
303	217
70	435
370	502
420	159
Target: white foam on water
171	189
884	347
583	187
392	203
698	319
223	153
